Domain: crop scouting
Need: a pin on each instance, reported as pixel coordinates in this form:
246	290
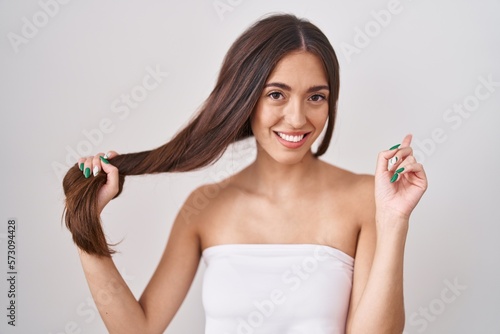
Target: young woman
292	244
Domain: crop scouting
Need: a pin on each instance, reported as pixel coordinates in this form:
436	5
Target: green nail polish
400	170
87	173
104	160
394	147
394	177
81	166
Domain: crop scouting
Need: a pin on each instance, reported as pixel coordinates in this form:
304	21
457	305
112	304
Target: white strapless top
276	289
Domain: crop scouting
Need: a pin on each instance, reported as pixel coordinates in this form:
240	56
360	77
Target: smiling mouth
291	138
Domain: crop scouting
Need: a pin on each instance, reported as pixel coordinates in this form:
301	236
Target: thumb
111	187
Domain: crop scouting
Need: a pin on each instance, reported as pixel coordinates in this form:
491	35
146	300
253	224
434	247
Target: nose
295	114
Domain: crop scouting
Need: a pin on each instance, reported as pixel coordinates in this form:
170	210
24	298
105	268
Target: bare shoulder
209	201
213	210
357	190
344	177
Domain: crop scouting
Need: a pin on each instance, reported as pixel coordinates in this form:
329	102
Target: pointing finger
406	140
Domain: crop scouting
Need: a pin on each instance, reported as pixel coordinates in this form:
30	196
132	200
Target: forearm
381	307
117	306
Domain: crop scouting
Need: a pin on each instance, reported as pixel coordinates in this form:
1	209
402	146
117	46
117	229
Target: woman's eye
275	95
317	98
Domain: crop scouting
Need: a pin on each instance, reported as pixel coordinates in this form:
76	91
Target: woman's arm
121	312
377	304
377	294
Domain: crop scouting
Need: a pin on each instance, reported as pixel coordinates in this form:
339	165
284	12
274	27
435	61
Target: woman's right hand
98	164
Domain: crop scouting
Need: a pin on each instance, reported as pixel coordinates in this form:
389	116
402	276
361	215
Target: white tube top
276	289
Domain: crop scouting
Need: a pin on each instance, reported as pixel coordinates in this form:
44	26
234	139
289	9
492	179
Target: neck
274	179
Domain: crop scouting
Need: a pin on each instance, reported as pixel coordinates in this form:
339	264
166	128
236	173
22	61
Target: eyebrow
288	88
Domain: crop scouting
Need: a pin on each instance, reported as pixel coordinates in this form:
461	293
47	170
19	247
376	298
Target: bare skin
286	196
244	212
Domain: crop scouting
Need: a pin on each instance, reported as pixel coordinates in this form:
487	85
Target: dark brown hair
223	119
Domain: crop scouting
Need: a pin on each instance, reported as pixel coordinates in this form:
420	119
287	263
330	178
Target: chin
290	157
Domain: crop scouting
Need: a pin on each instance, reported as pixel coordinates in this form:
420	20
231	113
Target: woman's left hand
400	181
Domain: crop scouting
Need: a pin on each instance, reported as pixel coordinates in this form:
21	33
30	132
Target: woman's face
293	108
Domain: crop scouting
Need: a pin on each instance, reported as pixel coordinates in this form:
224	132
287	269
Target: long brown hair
223	119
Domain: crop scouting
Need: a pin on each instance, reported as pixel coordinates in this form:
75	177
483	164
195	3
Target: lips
292	139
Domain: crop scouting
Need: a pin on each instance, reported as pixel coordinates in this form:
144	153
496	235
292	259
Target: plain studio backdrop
82	77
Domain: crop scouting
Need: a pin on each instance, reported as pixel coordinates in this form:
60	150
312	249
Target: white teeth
289	138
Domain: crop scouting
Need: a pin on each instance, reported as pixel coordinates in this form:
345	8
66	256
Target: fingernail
81	166
87	173
394	147
392	161
103	159
96	170
400	170
394	177
106	156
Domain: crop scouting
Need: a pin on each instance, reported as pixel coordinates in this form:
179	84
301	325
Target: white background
62	80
